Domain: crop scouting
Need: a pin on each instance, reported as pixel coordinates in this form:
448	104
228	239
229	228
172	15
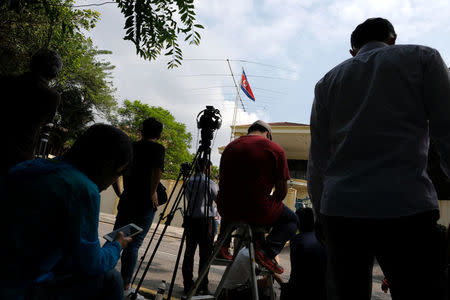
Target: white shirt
370	125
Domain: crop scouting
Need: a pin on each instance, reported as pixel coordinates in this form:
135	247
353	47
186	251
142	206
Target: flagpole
233	125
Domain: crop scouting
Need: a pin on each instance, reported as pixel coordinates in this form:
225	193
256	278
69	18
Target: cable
93	4
240	60
227	75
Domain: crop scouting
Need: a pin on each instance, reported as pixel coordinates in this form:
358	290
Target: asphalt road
163	264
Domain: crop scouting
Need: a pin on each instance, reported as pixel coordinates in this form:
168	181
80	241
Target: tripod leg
253	281
208	264
174	275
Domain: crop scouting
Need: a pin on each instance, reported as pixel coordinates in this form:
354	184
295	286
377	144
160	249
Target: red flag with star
245	86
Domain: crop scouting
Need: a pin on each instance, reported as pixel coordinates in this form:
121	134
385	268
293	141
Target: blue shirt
371	122
50	218
196	196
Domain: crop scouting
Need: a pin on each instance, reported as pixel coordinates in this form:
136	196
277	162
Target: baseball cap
264	125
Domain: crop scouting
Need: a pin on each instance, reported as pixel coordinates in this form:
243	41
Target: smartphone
128	231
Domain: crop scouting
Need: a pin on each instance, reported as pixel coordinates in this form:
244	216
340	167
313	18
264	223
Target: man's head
46	63
102	152
151	128
373	29
260	128
306	219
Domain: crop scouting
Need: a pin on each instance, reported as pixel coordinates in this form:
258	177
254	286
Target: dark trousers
129	257
107	286
281	231
411	252
199	231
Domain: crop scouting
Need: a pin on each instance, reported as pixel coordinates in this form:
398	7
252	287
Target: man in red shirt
250	167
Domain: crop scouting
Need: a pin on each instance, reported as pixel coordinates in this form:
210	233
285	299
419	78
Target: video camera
208	120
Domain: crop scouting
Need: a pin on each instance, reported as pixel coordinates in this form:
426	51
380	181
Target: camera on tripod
208	120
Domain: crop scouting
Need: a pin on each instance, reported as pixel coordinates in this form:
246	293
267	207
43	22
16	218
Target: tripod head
208	120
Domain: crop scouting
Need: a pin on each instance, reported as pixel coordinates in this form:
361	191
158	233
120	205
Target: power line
94	4
240	60
228	75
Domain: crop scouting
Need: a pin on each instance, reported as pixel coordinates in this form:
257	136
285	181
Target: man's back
146	155
50	219
378	105
249	168
27	102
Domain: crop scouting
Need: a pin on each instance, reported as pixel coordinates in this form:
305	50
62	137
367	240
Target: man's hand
155	200
122	240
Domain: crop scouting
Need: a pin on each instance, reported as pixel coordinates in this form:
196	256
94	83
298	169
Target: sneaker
204	292
129	292
270	264
224	253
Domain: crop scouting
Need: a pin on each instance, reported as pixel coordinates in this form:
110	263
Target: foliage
84	82
151	25
154	26
174	137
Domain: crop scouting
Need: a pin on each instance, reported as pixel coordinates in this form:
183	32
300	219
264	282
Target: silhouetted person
139	199
371	122
50	217
199	224
27	103
308	262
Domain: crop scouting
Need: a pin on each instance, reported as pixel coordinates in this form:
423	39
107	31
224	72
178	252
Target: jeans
130	253
199	231
411	252
284	228
107	286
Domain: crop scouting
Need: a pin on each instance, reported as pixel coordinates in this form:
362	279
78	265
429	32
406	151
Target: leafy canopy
174	137
153	26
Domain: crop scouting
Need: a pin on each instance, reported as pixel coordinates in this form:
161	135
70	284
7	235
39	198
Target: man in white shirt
371	122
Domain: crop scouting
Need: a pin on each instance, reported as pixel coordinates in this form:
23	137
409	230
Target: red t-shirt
249	168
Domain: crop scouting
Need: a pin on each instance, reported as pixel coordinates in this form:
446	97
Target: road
163	264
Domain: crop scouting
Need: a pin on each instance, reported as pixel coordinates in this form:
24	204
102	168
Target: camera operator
28	103
199	224
139	199
250	167
50	218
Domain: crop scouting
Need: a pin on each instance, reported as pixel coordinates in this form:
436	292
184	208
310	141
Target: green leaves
174	136
154	26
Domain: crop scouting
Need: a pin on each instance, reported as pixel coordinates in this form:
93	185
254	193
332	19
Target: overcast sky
300	40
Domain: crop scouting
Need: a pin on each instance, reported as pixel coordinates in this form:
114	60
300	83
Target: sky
287	46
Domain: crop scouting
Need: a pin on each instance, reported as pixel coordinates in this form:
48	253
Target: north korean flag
245	86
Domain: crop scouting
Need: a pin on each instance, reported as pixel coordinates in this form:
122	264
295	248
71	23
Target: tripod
208	121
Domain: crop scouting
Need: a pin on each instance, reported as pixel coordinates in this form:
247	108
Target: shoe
223	253
270	264
129	292
204	292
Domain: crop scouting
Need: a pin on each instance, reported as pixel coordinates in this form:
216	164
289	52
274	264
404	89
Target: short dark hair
151	128
47	63
306	219
373	29
98	146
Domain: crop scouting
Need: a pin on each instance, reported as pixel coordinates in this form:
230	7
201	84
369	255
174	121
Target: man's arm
281	189
319	149
437	103
117	187
156	177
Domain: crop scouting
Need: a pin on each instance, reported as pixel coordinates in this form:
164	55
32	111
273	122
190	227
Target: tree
174	136
154	26
84	82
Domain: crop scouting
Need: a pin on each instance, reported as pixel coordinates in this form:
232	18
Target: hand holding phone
123	235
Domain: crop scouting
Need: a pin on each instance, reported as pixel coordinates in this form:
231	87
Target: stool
245	238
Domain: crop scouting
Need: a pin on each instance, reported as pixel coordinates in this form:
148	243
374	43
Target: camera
208	120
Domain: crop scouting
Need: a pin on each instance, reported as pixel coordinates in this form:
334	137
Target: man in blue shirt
371	122
50	219
200	192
